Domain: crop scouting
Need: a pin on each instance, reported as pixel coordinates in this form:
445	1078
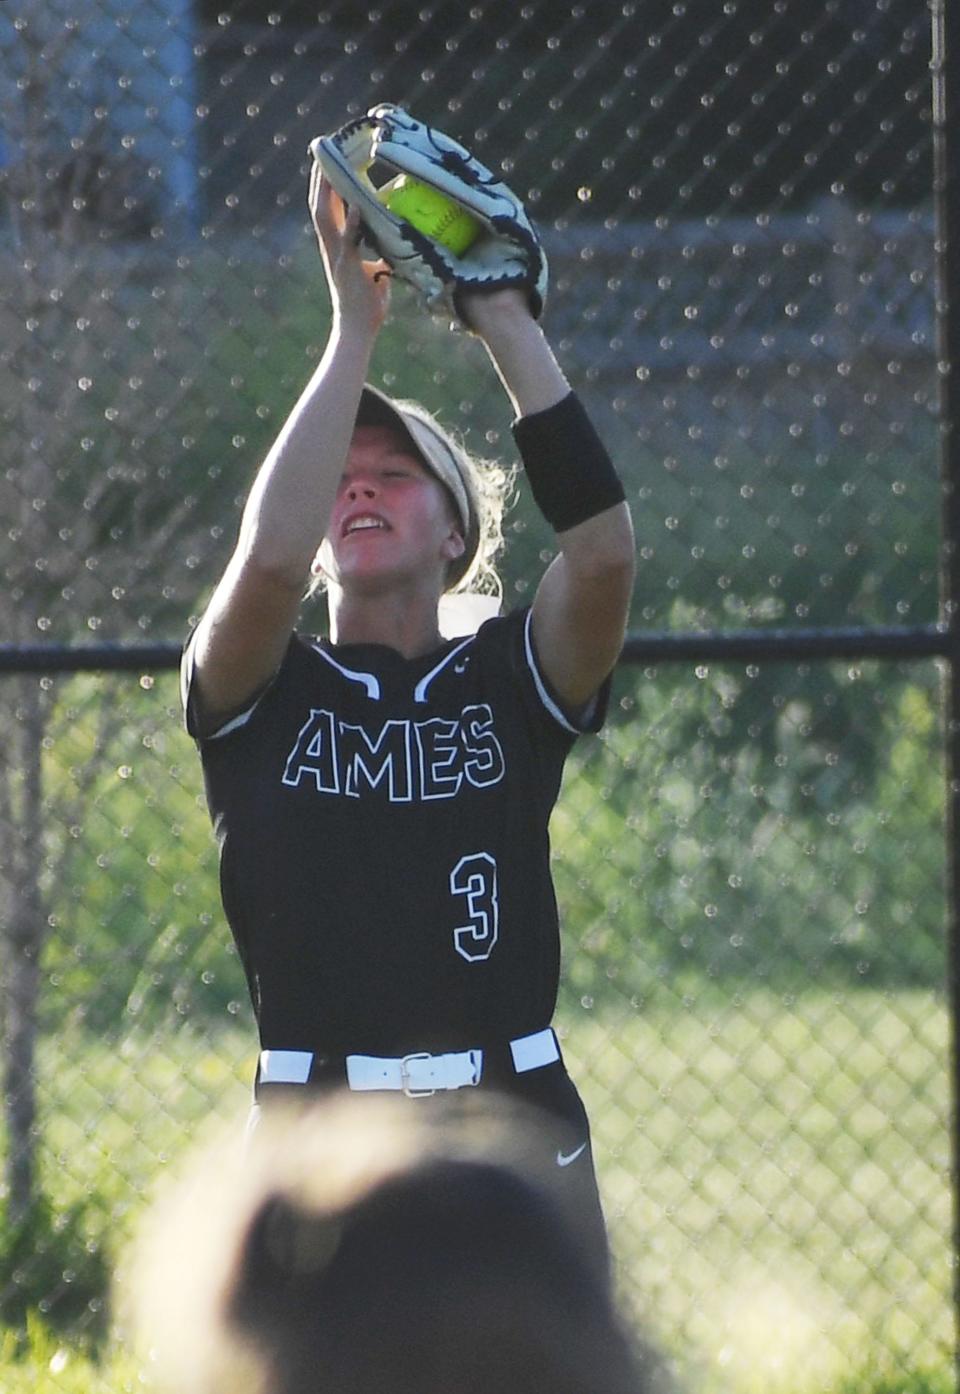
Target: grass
775	1174
52	1366
777	1182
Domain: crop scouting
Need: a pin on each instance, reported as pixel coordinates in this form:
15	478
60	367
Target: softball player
381	796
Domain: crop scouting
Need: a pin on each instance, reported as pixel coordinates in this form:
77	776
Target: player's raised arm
243	634
581	605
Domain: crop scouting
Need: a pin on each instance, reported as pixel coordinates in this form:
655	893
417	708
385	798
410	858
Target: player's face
392	517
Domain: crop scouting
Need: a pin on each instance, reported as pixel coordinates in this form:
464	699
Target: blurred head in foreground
358	1250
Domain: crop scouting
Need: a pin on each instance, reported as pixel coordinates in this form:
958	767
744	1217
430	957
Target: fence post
946	113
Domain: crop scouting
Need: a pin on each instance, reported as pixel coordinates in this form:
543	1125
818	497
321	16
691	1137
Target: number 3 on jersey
475	878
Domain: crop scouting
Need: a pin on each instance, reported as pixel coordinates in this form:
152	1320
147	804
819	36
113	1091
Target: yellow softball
431	213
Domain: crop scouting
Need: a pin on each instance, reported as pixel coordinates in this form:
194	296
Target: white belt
417	1074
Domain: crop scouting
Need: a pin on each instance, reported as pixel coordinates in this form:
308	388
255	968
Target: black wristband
571	476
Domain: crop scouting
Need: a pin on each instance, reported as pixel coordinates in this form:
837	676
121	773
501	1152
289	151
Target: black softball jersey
383	834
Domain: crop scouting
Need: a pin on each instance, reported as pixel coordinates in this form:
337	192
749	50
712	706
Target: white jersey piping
420	691
552	707
368	680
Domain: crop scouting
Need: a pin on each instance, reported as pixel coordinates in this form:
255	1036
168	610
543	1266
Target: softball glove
506	253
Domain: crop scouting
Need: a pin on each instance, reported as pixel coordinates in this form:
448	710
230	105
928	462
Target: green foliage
52	1265
776	859
130	876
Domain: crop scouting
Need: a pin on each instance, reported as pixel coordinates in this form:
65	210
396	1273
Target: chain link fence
737	206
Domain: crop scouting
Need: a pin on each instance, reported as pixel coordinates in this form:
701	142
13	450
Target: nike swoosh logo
565	1158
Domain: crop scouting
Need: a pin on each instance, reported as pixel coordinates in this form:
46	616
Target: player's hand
359	289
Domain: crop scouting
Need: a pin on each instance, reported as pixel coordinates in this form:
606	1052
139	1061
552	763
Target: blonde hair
350	1246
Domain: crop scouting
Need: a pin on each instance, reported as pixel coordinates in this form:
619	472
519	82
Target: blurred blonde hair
358	1247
